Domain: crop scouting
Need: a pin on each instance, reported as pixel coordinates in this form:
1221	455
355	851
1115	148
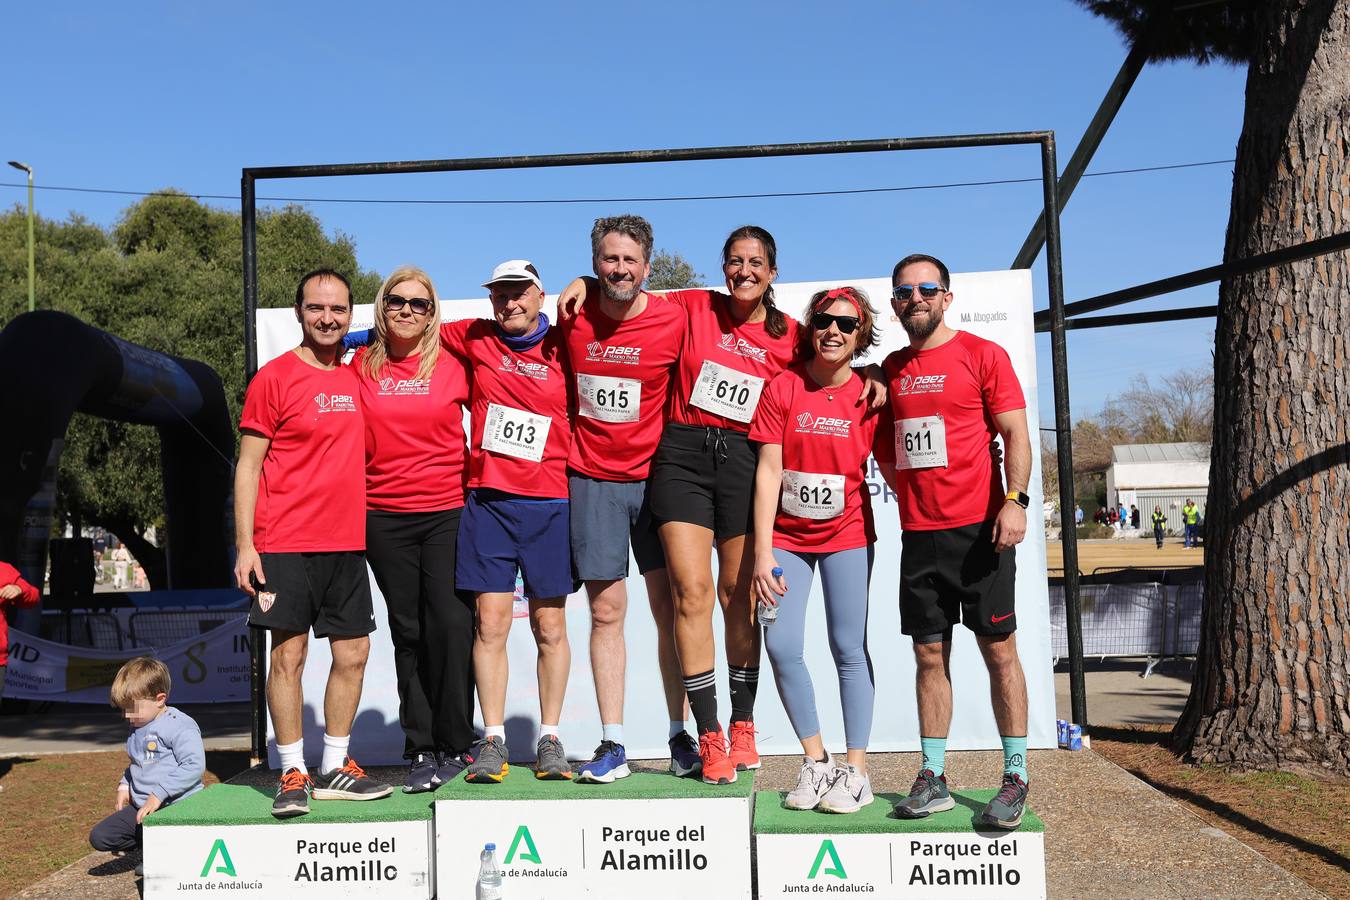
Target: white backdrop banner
993	305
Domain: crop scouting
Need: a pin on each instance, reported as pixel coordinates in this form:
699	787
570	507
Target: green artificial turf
237	804
520	784
771	817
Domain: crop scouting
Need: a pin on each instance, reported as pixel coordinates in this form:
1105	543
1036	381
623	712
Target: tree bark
1272	688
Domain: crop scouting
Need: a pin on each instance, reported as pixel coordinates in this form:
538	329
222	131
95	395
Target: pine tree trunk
1272	686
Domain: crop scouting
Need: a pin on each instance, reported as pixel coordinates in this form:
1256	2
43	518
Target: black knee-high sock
702	691
744	687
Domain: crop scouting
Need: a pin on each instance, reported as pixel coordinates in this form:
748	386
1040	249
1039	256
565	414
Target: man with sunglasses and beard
951	394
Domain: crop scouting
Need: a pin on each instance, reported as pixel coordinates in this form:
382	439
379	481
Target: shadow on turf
1161	738
6	765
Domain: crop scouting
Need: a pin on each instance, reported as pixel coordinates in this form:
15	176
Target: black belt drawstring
718	440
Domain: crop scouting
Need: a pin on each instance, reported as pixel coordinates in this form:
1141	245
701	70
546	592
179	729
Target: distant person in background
1077	514
121	558
1190	517
138	578
1100	515
1159	520
15	593
1134	516
1123	517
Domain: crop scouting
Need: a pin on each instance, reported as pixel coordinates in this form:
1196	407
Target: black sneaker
449	765
349	783
490	763
1005	810
292	797
422	771
928	795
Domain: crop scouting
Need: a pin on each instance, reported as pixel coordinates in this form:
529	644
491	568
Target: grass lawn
1297	822
51	802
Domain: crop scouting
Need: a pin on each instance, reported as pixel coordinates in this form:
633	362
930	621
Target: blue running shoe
684	758
609	763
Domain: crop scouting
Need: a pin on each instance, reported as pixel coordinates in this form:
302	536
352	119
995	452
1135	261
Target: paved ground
78	727
1118	695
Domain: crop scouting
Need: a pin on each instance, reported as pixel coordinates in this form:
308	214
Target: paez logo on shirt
836	867
808	424
598	352
537	371
404	386
742	347
335	403
805	420
921	384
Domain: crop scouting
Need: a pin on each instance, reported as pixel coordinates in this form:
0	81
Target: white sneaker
850	791
813	781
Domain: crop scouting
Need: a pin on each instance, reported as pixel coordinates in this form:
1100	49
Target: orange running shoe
743	753
717	767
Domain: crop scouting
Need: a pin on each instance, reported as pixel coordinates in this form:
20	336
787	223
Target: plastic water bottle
489	875
768	614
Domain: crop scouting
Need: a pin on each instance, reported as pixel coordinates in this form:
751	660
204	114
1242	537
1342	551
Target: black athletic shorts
705	476
329	592
953	575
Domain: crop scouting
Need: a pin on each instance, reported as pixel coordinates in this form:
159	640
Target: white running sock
292	756
612	733
334	752
676	728
497	731
548	729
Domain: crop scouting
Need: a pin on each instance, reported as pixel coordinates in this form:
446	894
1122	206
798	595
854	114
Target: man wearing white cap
517	512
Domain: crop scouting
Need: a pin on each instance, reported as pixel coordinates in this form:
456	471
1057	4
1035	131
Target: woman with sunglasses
812	509
413	396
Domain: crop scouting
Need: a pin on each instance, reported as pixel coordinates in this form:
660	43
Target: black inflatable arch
53	365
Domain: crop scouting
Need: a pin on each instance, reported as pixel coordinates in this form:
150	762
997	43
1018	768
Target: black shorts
705	476
329	592
954	575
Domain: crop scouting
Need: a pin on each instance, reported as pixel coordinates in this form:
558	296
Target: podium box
224	842
650	835
873	853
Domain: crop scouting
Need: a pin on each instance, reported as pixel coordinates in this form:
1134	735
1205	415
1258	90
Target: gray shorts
602	513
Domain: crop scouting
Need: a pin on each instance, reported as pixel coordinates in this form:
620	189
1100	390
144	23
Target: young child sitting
165	750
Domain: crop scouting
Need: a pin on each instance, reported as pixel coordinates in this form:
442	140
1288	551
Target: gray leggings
844	575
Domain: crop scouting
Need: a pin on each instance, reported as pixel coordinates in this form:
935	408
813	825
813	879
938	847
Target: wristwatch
1020	498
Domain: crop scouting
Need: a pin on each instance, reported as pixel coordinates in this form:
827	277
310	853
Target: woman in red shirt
812	509
413	395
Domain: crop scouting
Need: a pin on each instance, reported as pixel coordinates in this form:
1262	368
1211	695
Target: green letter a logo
226	864
836	868
530	854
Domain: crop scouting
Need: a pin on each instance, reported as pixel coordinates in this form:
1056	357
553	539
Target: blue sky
183	96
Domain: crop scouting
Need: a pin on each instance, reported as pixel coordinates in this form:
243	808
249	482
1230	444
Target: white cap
515	270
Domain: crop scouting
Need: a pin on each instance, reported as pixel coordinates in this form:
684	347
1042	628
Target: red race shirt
416	459
724	367
312	491
521	436
622	372
824	505
956	389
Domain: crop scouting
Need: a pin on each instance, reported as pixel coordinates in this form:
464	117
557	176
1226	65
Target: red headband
842	293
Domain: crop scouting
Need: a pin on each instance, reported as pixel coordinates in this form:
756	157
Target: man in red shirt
623	347
300	534
951	394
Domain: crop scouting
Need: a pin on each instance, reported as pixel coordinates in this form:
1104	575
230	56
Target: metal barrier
159	628
96	630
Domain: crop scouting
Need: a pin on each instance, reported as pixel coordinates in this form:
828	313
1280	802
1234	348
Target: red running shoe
743	753
717	767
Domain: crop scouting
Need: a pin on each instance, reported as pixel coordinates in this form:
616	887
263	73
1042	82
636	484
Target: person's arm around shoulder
1010	527
247	472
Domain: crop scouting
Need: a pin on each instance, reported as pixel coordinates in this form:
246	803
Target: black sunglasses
928	291
418	305
846	324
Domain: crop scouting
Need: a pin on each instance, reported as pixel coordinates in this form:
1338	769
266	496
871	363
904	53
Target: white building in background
1166	475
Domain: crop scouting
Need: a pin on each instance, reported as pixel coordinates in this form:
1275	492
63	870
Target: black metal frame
1054	273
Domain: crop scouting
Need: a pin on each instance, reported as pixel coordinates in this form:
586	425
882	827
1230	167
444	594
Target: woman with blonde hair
413	395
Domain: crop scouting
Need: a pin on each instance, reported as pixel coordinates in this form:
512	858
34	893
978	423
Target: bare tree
1181	408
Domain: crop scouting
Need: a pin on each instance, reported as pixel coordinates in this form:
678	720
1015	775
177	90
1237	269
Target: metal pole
1087	147
257	636
1063	432
32	278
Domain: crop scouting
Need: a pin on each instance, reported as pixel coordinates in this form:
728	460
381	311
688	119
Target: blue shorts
603	511
499	533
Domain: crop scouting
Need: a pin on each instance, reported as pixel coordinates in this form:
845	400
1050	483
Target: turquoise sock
933	751
1015	755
